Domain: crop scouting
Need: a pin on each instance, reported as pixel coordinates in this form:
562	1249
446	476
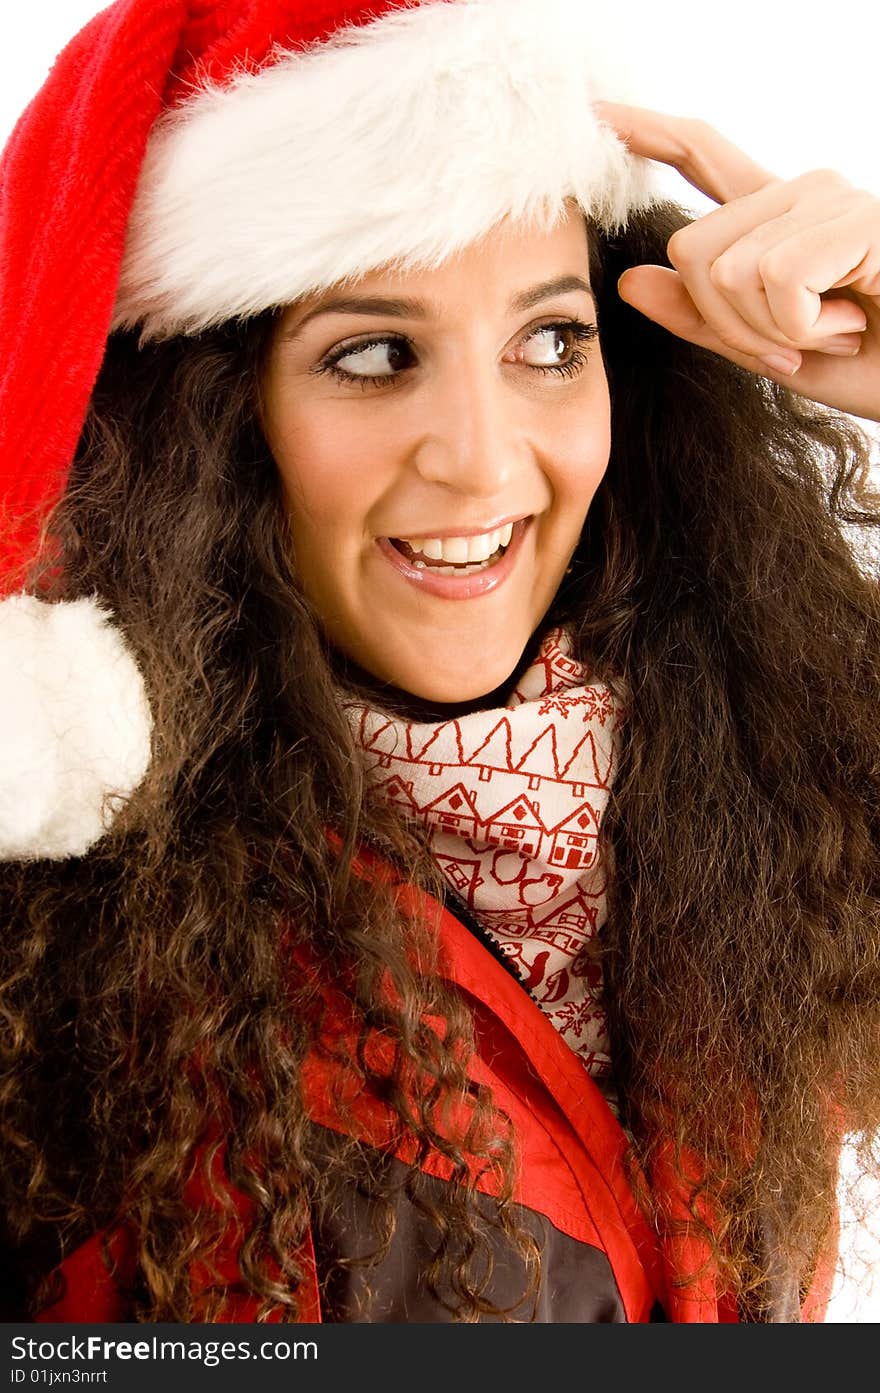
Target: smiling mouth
455	555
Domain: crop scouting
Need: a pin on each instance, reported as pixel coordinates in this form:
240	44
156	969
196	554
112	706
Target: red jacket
601	1260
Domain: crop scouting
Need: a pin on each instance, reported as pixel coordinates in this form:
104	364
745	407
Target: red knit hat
192	161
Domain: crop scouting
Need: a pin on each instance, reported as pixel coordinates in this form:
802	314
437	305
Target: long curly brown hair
147	1002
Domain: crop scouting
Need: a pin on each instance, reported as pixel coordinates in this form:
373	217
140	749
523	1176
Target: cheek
326	476
308	462
581	448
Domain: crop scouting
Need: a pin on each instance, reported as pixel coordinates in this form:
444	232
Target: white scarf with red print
513	799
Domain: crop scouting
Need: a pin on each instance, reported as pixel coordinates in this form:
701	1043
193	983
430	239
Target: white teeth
481	548
461	551
455	549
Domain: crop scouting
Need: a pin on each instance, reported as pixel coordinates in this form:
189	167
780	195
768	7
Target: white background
793	84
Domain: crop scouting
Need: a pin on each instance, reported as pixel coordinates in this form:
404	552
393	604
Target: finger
726	281
717	257
693	252
701	154
665	297
836	381
784	310
661	295
844	252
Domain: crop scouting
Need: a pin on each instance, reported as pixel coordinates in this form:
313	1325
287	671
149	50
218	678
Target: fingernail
782	362
848	344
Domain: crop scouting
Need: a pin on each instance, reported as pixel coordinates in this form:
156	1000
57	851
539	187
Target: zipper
464	915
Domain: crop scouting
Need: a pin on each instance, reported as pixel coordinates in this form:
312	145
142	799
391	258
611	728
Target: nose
471	441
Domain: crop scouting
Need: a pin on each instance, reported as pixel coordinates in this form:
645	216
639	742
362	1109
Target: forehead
511	268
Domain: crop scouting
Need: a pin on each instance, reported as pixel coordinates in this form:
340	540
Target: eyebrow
401	308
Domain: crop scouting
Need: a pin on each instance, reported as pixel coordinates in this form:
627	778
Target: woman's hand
756	278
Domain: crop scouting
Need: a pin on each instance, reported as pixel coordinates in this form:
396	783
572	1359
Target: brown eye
549	346
557	348
381	358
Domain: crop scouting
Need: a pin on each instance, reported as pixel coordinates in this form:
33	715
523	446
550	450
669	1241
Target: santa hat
193	161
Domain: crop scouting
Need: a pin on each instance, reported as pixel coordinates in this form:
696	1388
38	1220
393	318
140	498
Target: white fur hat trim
74	727
399	142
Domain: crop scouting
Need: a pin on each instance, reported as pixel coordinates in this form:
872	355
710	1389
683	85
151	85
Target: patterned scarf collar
513	799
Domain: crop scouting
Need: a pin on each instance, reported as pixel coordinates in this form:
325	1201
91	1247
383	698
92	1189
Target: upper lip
444	532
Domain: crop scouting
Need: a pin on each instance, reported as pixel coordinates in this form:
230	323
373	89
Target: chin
451	695
433	684
463	668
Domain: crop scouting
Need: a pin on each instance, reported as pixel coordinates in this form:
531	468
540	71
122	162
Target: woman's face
440	436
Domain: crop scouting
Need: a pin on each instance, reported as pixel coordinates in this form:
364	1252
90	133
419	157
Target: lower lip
452	587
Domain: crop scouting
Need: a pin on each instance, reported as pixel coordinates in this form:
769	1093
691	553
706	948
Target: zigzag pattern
514	799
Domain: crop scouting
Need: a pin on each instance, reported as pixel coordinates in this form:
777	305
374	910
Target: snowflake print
574	1017
599	704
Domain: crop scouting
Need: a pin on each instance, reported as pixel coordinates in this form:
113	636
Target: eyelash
583	334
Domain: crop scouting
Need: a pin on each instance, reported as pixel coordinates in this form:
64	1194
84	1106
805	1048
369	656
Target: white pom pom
75	726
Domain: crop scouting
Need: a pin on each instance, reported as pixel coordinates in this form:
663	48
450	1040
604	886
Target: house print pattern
513	799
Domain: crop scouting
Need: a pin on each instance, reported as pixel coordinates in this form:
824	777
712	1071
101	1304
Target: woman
456	895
